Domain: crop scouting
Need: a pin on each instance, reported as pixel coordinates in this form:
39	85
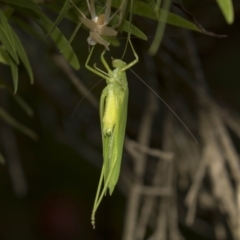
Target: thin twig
150	151
140	163
81	88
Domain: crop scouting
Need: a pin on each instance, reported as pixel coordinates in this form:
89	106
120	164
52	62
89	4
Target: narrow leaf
27	109
23	56
7	28
56	35
226	7
29	4
155	6
160	28
2	159
25	26
74	32
7	44
4	58
61	15
144	10
61	42
6	37
14	123
14	70
134	30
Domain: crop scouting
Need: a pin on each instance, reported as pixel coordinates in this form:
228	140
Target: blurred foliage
31	34
12	49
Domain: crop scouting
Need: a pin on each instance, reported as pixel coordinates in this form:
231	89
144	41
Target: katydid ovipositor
113	117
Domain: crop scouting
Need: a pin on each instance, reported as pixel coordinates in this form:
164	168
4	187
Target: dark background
48	187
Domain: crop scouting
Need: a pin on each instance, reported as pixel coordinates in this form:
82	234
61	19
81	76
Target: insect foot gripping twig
113	117
98	24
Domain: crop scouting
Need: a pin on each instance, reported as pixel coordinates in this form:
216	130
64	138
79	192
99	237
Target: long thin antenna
75	109
180	120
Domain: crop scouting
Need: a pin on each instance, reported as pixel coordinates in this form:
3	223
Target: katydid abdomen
113	128
110	112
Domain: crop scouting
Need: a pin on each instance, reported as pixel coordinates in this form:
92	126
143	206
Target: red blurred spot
60	218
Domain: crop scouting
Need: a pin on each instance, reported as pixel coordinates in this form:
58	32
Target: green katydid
113	117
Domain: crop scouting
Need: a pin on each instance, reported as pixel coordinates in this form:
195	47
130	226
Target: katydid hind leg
99	195
105	141
101	181
102	110
106	184
95	205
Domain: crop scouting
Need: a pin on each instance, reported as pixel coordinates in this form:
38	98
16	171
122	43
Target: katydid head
117	63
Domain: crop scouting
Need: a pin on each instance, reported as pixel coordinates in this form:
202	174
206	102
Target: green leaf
72	14
23	105
14	70
134	30
6	27
56	34
28	4
6	37
144	10
26	108
155	6
7	44
61	42
14	123
178	21
25	26
61	15
23	56
17	48
2	159
226	7
74	33
6	59
160	28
